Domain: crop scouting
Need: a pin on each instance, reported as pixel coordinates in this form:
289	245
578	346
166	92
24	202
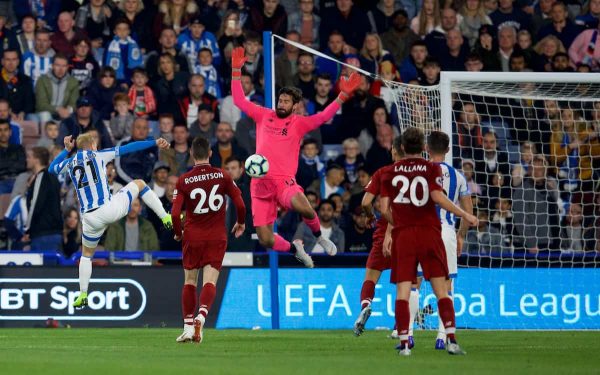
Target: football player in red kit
202	191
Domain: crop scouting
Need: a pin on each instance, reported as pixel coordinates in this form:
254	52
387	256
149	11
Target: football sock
413	303
188	303
446	311
151	200
314	225
366	293
85	273
281	244
441	328
207	297
402	319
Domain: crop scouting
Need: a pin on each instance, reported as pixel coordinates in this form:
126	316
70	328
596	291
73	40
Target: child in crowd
205	67
310	167
50	135
123	53
122	119
351	159
141	97
166	123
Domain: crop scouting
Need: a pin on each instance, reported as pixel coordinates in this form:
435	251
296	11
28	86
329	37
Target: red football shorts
197	254
267	194
414	245
376	260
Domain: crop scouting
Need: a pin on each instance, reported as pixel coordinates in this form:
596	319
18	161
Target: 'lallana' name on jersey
203	177
411	168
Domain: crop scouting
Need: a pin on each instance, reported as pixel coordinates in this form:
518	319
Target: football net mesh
531	154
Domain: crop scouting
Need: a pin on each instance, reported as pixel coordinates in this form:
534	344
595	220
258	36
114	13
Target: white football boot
301	254
327	245
187	335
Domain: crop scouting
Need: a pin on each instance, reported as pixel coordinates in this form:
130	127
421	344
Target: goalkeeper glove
348	85
237	62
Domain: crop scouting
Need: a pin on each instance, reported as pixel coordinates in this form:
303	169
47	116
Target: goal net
529	147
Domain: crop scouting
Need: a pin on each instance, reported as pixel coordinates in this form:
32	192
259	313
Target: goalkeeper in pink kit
279	134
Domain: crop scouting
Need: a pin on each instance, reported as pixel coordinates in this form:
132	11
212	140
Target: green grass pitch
154	351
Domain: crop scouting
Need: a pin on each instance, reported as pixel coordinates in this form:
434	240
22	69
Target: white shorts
449	239
95	223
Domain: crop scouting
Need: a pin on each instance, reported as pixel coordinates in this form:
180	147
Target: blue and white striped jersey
455	186
87	170
34	66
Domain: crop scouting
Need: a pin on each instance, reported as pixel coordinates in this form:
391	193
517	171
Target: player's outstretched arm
59	162
178	199
238	59
440	198
142	145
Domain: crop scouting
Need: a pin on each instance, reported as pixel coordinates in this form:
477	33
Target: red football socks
281	244
366	293
402	319
207	297
188	303
314	225
446	311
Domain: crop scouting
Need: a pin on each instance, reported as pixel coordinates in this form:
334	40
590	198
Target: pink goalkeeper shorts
267	194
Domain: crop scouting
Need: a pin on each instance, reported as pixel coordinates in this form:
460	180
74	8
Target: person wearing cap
196	37
205	125
56	92
160	173
399	37
358	237
82	120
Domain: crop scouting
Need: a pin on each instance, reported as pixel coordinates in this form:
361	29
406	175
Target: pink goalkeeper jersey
279	139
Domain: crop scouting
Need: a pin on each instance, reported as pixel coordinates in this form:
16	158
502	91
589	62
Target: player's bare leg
403	316
413	304
268	239
366	297
440	342
153	202
210	275
301	205
85	274
446	311
188	304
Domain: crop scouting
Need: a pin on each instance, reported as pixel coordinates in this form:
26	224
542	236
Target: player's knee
141	184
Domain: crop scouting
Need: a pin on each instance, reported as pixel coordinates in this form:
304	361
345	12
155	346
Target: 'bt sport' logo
38	299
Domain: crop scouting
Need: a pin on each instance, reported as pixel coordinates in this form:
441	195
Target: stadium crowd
131	70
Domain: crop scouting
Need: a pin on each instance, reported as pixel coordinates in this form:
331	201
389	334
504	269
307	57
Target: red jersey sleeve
374	185
435	181
178	200
386	188
310	123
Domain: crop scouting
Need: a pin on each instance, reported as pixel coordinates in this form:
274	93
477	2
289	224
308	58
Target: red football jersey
374	187
408	183
202	192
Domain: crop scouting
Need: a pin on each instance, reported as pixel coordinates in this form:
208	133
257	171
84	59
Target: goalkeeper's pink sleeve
310	123
239	99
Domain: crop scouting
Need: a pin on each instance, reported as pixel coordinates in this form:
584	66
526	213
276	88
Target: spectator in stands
310	166
546	49
63	39
178	156
486	47
12	159
82	65
431	72
26	36
167	44
189	104
351	158
230	35
102	91
367	136
205	126
329	230
468	137
123	53
379	153
225	146
399	37
49	136
15	86
141	97
7	40
286	64
372	53
473	17
560	63
427	19
165	127
132	233
229	112
502	222
561	27
589	16
95	18
412	67
44	219
172	86
357	112
330	182
140	20
535	211
473	63
196	37
484	239
455	56
234	166
307	23
348	19
335	49
381	16
122	118
358	237
305	77
541	15
436	39
71	234
525	44
509	15
83	120
140	164
45	12
517	62
38	61
56	92
176	14
507	40
208	70
160	173
468	170
165	236
585	49
572	230
357	190
520	170
490	161
111	178
16	137
267	15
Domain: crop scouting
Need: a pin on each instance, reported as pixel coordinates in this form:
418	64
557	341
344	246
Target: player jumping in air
87	170
456	189
202	191
376	263
410	191
279	134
